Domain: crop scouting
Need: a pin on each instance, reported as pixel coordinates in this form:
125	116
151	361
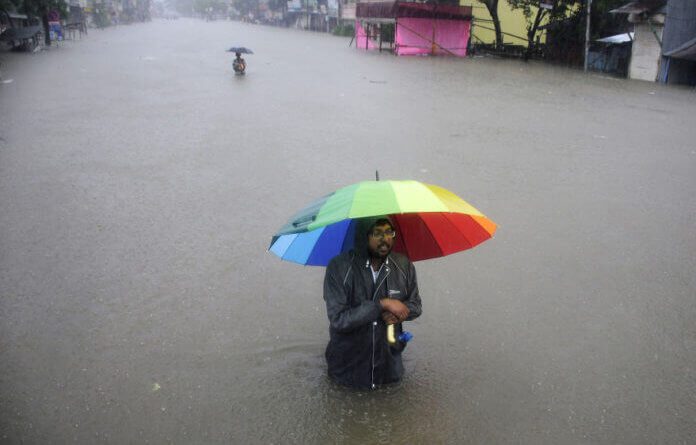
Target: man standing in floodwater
367	289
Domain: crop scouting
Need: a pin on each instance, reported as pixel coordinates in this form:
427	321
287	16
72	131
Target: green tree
10	5
492	7
536	11
565	36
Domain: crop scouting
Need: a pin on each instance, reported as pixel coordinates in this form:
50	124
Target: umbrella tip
376	175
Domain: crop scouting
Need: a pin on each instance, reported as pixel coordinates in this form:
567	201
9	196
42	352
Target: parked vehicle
21	32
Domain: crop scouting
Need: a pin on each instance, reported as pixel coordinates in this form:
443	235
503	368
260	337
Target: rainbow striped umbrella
431	222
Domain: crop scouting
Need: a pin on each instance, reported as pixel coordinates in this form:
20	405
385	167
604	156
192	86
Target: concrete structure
648	18
645	55
671	59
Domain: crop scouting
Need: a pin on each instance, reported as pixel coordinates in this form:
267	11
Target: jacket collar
362	259
384	264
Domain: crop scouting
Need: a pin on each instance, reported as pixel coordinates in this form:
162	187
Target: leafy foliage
10	5
567	17
559	10
40	8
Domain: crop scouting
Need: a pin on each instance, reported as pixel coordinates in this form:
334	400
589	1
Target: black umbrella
240	49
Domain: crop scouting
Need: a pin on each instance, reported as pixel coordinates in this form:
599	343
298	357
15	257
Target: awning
686	51
618	38
393	10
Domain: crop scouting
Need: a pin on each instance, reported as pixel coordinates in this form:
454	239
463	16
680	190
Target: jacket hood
362	228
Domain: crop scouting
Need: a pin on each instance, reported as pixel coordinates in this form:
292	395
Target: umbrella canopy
430	221
240	49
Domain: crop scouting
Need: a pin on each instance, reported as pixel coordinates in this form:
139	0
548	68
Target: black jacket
358	354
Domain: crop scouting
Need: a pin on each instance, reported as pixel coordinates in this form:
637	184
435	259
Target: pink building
410	28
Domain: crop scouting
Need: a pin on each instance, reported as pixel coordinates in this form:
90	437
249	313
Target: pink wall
361	39
415	36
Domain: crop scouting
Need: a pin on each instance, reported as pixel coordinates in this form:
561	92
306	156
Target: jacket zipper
374	326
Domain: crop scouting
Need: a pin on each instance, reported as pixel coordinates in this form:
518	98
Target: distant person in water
239	64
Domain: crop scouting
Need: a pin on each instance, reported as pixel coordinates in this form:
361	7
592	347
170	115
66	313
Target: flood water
141	182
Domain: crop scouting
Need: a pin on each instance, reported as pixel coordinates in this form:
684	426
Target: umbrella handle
391	337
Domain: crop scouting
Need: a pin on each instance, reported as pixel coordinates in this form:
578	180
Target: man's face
380	240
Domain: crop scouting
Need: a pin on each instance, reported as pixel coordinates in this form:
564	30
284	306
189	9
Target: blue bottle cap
405	337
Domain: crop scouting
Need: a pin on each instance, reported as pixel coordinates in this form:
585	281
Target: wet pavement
141	181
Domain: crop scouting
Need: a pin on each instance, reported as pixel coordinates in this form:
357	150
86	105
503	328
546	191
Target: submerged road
140	183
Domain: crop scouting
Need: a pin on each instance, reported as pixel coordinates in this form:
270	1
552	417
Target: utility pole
587	35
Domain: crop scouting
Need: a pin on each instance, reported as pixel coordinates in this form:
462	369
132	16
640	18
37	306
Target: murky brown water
140	182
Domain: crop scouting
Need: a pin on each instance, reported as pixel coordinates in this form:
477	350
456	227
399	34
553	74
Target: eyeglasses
391	234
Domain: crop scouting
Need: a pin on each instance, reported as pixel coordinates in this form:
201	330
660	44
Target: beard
381	252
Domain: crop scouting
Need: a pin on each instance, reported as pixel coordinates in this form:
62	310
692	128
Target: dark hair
380	222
